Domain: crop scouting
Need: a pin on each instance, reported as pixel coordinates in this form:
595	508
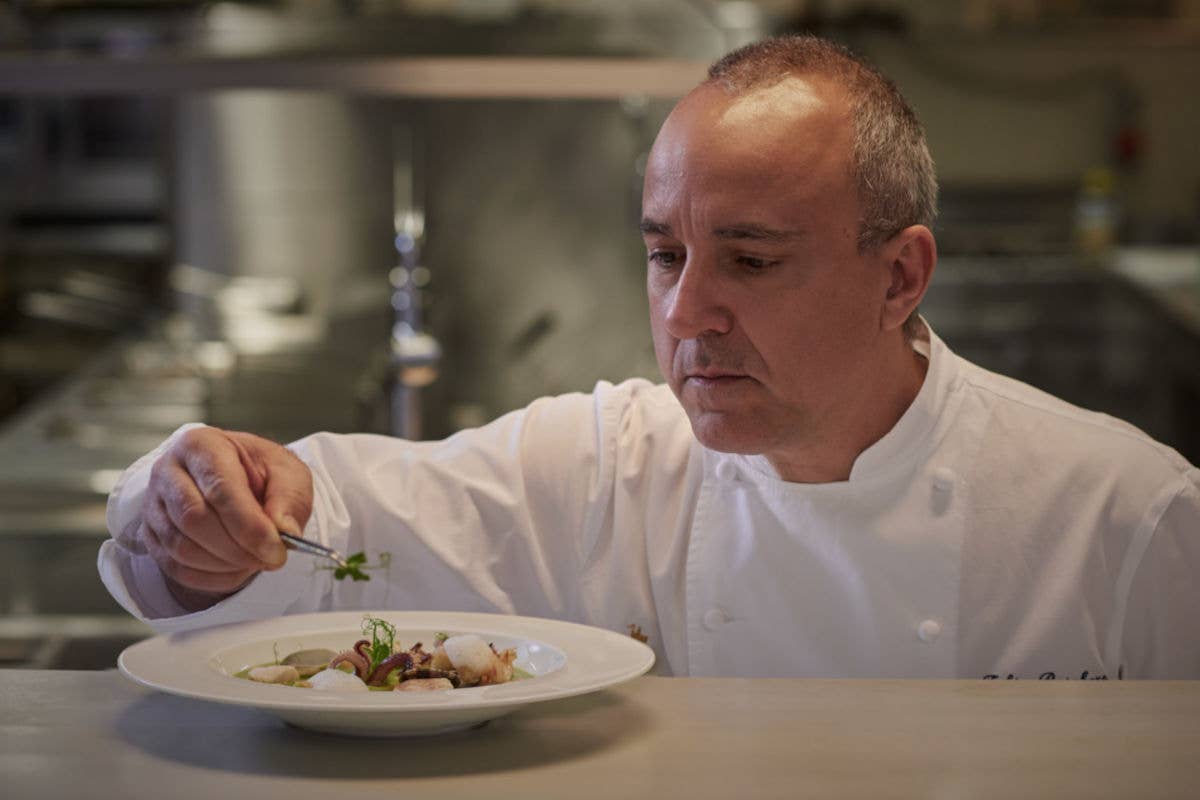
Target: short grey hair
892	168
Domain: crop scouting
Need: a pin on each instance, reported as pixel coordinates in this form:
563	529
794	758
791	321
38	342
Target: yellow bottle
1096	214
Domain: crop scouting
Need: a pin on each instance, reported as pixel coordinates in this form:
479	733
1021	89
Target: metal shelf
32	74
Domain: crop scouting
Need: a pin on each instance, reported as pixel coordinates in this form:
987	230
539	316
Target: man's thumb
286	523
288	511
287	482
287	498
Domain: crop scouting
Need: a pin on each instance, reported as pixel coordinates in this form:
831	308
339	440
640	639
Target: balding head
890	162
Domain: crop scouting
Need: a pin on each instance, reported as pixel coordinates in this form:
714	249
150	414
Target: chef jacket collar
913	434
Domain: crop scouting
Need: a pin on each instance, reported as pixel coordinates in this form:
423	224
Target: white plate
565	659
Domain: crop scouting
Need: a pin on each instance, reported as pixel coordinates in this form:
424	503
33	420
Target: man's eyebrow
650	226
739	231
757	232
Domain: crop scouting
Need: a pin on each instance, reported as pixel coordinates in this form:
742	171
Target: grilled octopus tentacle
420	657
355	658
401	661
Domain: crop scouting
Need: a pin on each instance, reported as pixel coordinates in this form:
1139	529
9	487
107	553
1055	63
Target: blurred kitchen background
410	216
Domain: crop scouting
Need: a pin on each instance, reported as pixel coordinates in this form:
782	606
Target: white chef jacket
994	531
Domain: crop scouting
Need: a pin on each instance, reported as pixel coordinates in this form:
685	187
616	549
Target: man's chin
728	433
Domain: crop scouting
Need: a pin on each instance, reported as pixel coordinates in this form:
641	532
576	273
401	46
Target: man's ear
910	257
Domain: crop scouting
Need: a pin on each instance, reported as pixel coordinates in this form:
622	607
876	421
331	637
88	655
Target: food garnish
356	566
380	663
353	568
383	638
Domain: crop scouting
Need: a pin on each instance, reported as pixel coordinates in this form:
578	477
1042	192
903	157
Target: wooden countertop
95	734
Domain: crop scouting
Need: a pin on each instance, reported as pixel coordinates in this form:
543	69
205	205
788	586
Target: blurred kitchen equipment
415	352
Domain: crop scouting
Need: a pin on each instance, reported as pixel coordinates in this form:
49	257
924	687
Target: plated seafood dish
379	662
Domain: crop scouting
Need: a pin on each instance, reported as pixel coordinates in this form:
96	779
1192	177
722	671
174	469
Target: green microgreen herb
353	569
383	638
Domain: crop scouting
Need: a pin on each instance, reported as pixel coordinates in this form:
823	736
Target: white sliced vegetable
334	680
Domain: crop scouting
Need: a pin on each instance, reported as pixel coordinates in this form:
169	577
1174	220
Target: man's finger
221	479
286	491
288	498
174	494
213	582
197	553
218	583
174	487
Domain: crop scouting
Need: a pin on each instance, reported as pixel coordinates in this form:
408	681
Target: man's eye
755	264
663	258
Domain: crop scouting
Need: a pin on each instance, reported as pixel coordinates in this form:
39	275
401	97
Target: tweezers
313	549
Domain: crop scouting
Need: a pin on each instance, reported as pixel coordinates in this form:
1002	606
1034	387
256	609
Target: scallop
424	685
274	673
476	662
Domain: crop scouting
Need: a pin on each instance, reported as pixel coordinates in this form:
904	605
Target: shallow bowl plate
565	659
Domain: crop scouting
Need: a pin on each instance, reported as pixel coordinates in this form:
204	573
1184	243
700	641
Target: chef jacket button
726	471
929	630
943	478
714	618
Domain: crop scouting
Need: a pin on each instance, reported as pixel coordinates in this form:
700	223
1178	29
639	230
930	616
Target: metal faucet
415	354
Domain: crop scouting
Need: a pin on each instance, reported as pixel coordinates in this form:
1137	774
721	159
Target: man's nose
696	305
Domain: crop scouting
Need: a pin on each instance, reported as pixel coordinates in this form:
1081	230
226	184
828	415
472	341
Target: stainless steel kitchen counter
1171	276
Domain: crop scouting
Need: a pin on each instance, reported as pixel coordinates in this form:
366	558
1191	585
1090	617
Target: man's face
766	318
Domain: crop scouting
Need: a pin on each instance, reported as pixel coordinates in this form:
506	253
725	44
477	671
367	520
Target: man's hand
212	510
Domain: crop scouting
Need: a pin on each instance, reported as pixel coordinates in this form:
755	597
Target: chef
820	488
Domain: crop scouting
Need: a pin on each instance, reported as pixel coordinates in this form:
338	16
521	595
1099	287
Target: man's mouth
714	378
